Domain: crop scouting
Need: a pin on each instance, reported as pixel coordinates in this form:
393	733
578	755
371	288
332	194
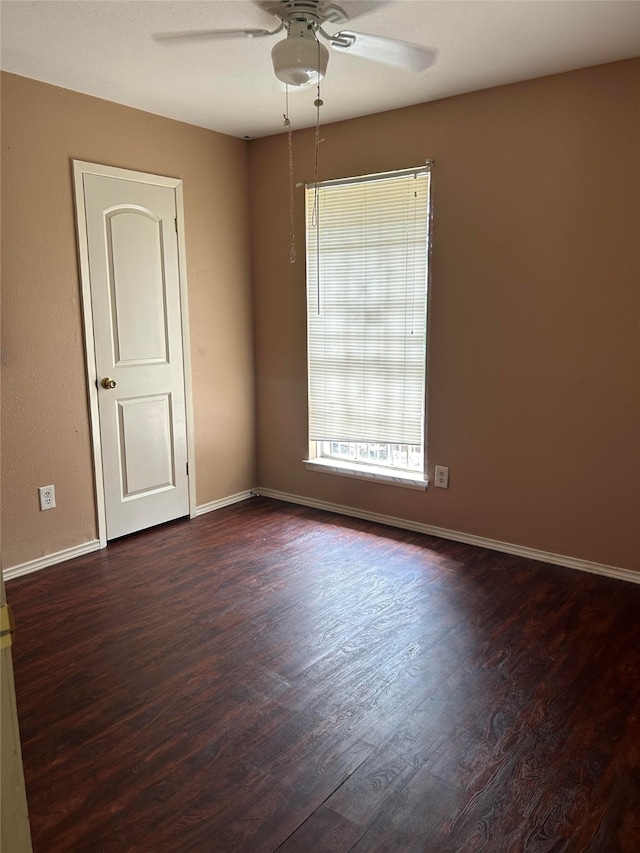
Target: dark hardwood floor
270	677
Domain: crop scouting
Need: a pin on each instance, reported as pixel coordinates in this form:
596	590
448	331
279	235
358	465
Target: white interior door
136	308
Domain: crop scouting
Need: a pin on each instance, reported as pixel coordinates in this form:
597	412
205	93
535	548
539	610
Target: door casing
80	168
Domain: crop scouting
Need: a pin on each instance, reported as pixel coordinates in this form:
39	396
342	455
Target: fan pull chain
314	217
292	231
317	104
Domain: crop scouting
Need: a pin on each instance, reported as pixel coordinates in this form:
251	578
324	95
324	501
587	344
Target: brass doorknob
108	383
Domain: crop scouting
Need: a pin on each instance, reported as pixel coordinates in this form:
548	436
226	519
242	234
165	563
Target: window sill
404	479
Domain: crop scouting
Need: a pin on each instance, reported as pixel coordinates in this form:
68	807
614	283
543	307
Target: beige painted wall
534	387
45	427
534	355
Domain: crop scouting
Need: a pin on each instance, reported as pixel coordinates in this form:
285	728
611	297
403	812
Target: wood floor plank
324	830
272	677
413	819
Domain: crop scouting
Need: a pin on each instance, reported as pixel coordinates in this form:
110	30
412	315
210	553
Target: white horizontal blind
367	254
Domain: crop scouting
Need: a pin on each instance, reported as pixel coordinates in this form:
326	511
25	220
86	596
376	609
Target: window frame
412	479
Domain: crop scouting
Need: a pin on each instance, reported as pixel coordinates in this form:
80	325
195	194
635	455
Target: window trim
358	470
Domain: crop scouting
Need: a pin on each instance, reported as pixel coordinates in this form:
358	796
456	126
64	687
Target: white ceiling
105	48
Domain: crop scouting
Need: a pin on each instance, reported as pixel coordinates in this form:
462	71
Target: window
367	270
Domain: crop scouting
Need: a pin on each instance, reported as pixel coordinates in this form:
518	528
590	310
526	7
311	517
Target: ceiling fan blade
214	34
357	8
400	54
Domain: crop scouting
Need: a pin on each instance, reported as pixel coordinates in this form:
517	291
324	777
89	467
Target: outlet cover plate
441	479
47	496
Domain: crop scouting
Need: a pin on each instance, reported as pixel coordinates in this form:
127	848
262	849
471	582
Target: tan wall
45	428
534	350
534	387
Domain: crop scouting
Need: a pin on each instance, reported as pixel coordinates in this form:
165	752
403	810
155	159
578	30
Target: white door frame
80	168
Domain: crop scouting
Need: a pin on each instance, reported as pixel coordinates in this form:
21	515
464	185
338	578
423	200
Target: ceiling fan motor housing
321	11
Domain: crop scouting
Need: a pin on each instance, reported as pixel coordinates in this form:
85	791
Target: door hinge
7	626
187	469
176	222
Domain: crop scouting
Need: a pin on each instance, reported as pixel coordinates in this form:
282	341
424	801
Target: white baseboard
404	524
232	499
94	544
51	560
457	536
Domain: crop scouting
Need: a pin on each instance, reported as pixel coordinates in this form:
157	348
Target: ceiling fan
301	59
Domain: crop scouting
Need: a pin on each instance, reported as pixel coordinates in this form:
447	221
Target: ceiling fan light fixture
300	59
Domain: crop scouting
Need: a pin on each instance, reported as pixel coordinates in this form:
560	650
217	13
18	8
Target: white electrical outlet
442	477
47	497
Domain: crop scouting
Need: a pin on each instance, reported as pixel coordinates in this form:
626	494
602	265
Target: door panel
134	246
148	463
137	329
